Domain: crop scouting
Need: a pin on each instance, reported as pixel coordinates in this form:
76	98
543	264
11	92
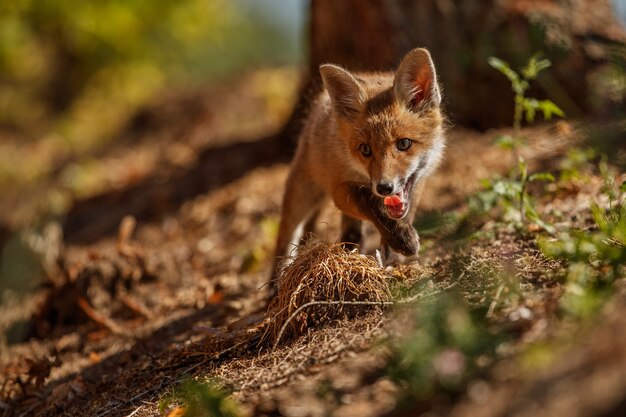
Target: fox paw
404	240
385	256
396	259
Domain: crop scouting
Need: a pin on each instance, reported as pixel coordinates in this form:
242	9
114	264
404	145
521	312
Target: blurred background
75	76
144	144
72	75
105	106
101	98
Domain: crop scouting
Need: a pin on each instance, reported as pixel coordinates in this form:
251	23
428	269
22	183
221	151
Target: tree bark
578	36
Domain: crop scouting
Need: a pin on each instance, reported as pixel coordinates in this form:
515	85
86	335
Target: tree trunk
371	35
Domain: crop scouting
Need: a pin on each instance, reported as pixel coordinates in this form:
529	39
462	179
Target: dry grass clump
325	282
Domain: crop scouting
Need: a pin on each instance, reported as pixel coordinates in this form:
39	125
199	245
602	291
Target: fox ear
415	83
344	90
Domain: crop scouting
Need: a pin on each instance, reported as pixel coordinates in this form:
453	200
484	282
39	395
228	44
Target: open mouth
398	205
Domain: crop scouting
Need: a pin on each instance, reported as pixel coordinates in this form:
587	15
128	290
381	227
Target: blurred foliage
433	223
20	267
72	73
576	164
595	257
254	257
610	81
511	195
525	107
449	345
200	399
520	83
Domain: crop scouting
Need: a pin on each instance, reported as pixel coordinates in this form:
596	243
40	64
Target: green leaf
541	176
549	108
202	399
504	68
520	87
530	114
543	64
599	216
534	67
530	107
523	168
533	216
507	189
506	141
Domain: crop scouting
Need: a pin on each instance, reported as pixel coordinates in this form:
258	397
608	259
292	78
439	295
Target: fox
369	142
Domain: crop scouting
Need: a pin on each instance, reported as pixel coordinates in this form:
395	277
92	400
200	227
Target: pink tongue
393	201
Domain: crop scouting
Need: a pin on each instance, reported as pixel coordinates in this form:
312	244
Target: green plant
513	191
442	352
512	195
201	399
595	257
576	164
524	106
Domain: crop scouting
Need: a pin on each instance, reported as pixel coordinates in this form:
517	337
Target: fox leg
350	232
309	227
301	203
417	196
391	257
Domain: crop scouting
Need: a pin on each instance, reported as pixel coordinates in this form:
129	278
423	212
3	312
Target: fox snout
384	188
387	186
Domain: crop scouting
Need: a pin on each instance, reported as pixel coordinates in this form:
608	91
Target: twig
124	235
522	198
135	305
100	318
135	412
494	303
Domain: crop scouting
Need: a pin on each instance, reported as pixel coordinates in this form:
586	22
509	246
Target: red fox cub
368	143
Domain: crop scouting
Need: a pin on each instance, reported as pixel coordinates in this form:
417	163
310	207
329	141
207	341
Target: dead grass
273	368
201	298
332	283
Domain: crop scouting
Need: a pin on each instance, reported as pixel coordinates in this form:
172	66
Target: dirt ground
163	279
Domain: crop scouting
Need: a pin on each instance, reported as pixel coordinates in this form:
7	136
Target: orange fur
376	110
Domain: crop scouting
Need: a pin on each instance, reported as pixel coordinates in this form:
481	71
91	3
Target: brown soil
129	310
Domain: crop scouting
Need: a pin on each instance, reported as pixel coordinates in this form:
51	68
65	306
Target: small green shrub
576	164
525	106
511	193
201	399
443	351
595	256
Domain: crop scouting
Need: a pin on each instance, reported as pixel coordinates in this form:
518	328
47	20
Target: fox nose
384	188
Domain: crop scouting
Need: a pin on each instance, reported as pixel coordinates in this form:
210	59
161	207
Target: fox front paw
392	258
404	240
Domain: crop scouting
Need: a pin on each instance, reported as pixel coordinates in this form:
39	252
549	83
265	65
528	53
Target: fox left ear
415	83
344	90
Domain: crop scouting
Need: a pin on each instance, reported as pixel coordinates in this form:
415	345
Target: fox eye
365	149
403	144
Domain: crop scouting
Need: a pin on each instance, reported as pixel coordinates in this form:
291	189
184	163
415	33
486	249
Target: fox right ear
415	83
344	90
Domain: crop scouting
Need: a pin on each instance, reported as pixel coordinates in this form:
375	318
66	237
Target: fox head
391	124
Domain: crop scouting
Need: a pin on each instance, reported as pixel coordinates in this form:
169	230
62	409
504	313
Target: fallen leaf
216	298
94	358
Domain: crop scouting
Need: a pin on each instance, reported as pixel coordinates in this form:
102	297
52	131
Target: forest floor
161	279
